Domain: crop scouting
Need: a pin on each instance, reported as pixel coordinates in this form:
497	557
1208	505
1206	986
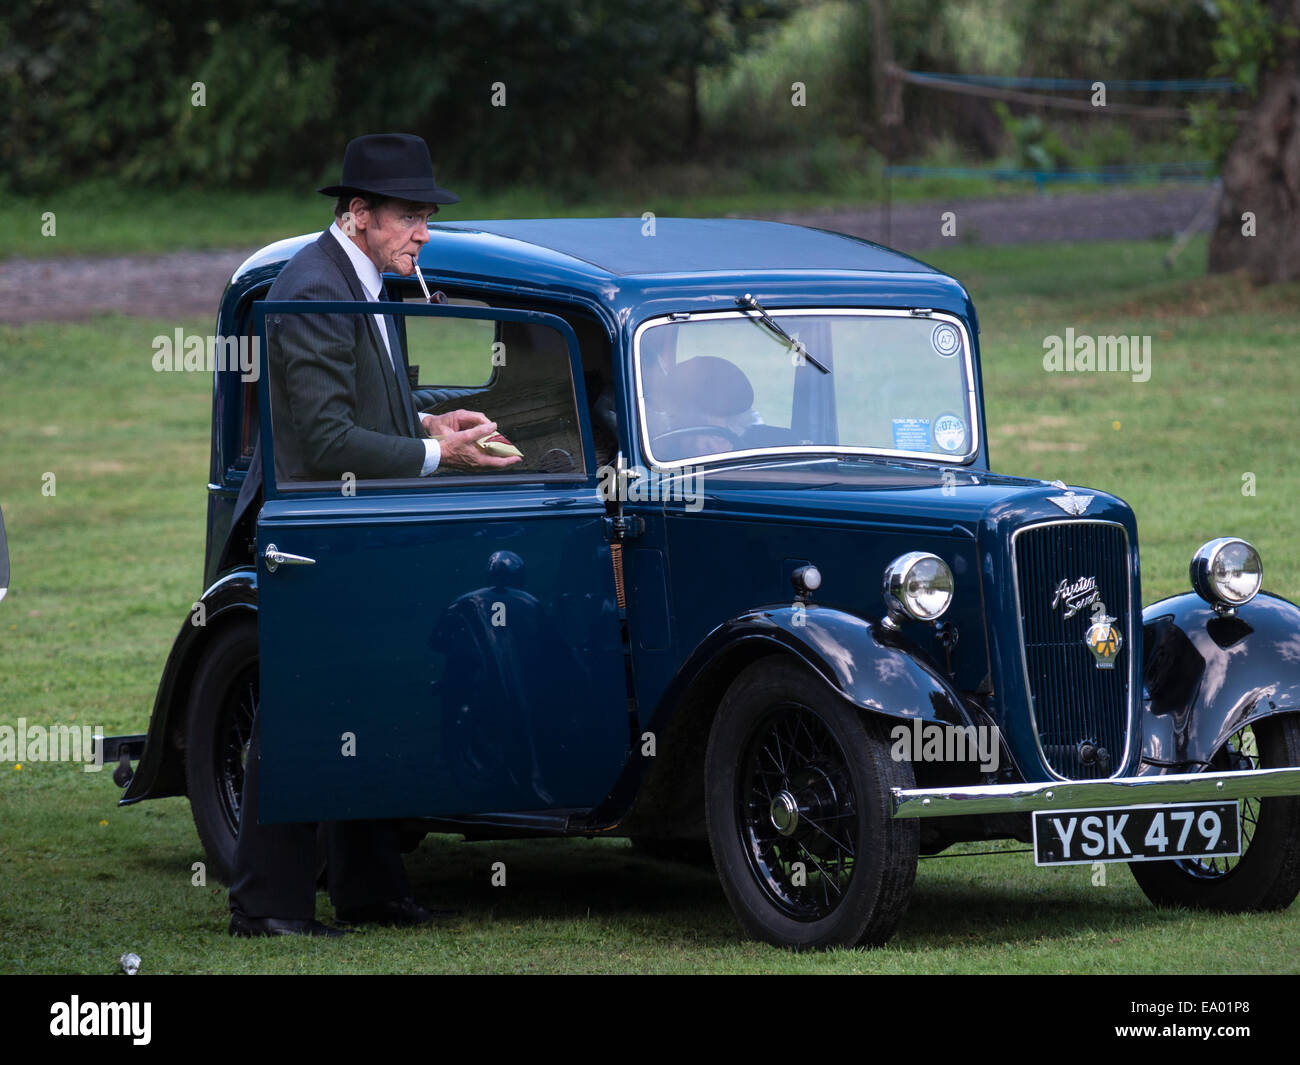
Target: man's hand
458	433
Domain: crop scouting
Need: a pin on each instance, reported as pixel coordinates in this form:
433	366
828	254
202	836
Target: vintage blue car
753	582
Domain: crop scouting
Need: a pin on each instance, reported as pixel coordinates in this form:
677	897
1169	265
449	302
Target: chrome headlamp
1226	573
918	586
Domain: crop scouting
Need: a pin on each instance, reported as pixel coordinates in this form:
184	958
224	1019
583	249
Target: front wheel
1267	874
799	813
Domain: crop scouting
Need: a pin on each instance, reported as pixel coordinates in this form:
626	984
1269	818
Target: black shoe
402	913
241	925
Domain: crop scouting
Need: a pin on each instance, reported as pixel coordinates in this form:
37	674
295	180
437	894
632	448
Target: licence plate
1137	833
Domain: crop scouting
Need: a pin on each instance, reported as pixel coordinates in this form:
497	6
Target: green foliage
108	87
1243	48
599	93
829	46
1037	146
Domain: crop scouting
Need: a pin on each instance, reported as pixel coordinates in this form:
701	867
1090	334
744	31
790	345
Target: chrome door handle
275	558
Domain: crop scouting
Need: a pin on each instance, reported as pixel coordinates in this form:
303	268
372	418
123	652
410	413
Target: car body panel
1207	675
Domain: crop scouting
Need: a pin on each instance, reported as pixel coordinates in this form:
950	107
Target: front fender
876	670
1206	676
161	771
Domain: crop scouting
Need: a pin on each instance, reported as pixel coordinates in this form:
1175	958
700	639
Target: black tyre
798	803
222	702
1267	874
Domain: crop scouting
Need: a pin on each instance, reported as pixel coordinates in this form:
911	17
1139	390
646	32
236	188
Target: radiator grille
1074	702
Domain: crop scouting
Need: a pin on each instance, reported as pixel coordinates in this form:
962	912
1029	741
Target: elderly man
340	397
341	403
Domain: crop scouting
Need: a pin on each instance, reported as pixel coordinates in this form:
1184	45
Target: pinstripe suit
336	404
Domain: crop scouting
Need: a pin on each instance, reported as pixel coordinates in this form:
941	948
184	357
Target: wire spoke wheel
799	812
796	813
234	734
219	728
1241	751
1266	875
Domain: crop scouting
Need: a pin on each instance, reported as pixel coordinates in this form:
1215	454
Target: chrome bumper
1087	794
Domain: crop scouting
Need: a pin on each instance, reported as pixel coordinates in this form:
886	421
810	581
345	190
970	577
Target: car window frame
972	408
437	482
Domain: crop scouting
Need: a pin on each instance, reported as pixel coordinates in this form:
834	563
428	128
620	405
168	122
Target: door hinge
620	527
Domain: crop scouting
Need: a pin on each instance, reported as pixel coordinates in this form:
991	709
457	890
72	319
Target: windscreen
872	381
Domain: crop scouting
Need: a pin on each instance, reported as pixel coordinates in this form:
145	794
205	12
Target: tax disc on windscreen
946	340
949	432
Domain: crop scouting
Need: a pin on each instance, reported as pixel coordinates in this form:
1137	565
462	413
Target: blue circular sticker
946	340
949	432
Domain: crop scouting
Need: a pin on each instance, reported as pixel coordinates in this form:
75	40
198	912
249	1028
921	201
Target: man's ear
360	213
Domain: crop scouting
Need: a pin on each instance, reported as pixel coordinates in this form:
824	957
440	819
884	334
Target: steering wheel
700	430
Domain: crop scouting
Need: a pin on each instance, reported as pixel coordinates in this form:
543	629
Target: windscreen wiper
752	304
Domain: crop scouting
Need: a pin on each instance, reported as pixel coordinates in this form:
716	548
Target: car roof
631	264
626	247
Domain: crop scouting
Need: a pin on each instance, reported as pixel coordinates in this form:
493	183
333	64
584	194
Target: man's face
392	235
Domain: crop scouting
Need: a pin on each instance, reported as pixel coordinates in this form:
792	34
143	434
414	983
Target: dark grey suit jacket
336	405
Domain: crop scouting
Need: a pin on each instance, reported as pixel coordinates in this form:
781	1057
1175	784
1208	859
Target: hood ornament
1071	503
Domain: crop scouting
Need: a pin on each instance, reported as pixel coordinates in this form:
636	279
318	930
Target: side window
455	360
527	389
348	408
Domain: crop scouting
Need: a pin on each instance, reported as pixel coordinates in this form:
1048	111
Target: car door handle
276	558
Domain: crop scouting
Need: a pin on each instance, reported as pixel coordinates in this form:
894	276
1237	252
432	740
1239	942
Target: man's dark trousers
275	865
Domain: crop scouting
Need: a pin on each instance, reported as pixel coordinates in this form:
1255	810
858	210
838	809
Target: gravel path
915	227
190	283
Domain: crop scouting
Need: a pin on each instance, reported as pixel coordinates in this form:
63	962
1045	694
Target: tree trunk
1261	176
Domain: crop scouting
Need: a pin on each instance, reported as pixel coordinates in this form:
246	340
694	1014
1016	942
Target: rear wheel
223	700
1267	874
798	804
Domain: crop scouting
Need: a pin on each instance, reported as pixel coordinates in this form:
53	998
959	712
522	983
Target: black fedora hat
390	164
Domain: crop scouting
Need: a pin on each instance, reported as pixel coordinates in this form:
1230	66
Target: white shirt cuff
432	456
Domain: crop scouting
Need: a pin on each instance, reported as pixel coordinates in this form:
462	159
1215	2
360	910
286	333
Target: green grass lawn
105	569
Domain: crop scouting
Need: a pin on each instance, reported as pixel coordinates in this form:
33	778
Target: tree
1258	226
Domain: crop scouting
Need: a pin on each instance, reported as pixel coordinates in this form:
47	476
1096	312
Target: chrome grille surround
1081	703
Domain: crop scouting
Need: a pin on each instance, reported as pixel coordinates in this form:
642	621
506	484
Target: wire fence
1005	87
1193	171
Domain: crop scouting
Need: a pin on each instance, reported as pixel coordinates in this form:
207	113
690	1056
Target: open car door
446	644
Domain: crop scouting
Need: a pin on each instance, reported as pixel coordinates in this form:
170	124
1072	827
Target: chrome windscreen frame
968	365
1132	711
